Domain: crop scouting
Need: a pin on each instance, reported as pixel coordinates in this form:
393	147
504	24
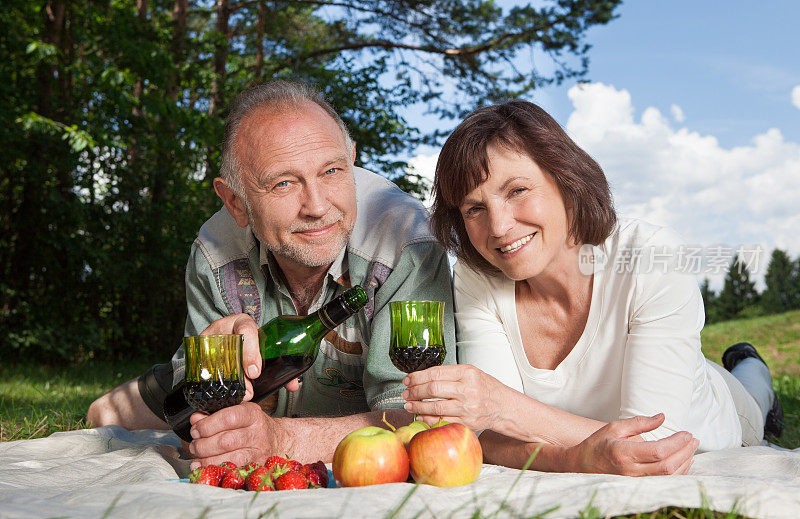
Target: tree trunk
27	226
179	11
220	57
262	20
138	87
218	79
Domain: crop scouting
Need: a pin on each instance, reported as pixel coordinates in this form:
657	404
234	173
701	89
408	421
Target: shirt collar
338	271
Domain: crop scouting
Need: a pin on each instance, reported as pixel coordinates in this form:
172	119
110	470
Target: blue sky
690	113
730	66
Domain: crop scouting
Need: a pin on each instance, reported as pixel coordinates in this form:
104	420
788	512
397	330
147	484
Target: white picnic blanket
113	472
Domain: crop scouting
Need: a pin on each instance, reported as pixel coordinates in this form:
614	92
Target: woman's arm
664	367
509	452
613	449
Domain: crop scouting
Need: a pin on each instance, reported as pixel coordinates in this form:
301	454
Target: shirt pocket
335	386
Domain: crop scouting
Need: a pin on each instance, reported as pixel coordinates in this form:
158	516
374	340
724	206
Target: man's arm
244	433
124	406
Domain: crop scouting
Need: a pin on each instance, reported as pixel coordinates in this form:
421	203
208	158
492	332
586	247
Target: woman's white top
639	353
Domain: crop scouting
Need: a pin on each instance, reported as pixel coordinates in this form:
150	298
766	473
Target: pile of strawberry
277	473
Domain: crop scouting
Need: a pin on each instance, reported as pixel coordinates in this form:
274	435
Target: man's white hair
279	93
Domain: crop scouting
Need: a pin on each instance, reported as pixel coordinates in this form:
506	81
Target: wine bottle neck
339	309
334	313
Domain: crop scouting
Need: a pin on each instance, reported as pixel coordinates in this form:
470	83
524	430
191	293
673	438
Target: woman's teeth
517	244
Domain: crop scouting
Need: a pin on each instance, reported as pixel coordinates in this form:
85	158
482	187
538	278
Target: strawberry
233	479
259	480
208	475
313	477
292	480
316	474
250	467
274	461
323	472
293	465
227	465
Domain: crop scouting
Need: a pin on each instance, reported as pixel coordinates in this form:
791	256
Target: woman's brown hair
525	128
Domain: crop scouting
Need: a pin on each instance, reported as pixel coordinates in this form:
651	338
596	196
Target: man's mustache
319	224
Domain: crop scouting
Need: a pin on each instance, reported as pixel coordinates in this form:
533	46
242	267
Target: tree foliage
111	115
738	293
782	292
709	298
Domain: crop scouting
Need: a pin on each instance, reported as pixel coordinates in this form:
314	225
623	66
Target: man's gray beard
303	255
308	258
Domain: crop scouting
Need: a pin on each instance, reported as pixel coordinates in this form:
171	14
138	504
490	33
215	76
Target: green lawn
777	338
38	400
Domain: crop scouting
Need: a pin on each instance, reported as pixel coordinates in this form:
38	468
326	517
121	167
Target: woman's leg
757	380
746	364
750	414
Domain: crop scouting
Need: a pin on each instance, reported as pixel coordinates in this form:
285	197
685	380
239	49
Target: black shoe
773	427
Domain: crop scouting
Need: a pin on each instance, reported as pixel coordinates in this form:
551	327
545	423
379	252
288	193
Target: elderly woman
579	334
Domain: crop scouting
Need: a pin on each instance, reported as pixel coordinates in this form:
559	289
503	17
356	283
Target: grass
777	338
38	400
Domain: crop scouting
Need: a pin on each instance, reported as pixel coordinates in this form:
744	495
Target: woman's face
516	219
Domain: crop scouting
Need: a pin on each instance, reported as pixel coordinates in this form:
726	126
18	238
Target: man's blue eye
282	184
331	171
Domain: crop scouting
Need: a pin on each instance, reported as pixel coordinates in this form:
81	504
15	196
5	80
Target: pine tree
794	294
738	293
709	300
779	294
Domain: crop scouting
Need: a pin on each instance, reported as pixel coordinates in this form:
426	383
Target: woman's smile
514	246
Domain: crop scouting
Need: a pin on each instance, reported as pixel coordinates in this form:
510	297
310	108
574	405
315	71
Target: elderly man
301	223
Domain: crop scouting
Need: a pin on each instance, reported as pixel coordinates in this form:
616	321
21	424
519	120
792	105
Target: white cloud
677	113
796	96
740	196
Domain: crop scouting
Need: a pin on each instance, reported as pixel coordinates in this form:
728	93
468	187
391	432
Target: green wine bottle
288	345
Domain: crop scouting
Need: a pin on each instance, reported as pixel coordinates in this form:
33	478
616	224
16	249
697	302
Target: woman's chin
518	272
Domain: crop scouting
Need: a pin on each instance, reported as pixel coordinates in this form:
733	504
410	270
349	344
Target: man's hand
251	355
617	449
239	434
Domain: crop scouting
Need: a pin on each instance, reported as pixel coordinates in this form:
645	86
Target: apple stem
392	427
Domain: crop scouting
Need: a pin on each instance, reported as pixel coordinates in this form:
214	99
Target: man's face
297	176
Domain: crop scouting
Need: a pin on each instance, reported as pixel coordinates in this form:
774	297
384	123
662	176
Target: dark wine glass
417	338
214	376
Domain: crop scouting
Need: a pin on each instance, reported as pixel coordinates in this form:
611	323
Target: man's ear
233	203
353	158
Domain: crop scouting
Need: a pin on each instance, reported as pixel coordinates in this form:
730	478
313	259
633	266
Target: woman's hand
617	448
468	395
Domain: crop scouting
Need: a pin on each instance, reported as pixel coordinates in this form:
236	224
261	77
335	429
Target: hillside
777	338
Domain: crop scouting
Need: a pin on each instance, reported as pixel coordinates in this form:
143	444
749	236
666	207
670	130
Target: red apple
370	456
445	456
